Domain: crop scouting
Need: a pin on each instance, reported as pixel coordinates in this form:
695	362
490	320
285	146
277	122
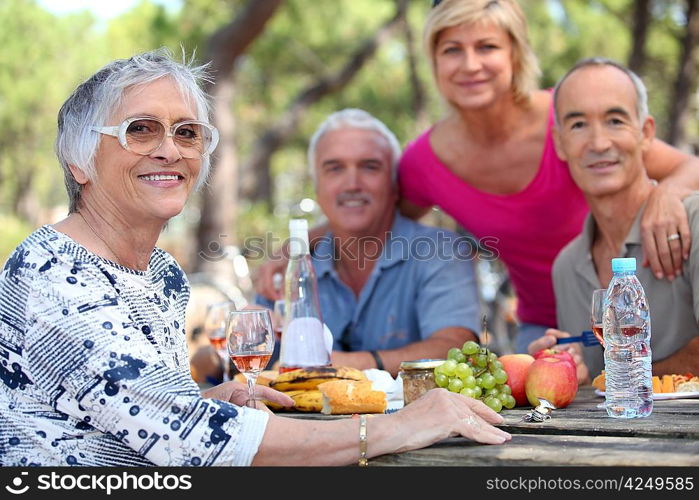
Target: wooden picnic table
578	435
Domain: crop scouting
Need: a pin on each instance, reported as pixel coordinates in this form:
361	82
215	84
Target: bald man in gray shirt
603	131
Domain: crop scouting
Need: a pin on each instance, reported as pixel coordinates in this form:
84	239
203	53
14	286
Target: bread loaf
342	397
309	378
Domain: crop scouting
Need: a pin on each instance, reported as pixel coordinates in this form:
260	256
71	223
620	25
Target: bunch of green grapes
475	372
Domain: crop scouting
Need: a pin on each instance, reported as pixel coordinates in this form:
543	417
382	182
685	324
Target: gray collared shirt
674	308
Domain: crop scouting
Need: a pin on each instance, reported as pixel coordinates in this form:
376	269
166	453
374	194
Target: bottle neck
298	245
301	288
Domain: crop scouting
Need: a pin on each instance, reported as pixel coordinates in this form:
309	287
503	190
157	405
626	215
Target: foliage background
45	55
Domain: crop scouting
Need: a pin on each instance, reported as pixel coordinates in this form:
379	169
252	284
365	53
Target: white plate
665	395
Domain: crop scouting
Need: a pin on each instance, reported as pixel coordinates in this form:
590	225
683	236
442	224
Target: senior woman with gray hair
93	359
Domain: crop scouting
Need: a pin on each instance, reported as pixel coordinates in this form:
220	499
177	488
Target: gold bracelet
363	462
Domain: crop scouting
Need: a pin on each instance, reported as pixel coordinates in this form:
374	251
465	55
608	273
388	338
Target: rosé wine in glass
250	344
596	311
215	329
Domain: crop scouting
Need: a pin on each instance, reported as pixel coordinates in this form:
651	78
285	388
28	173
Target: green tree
33	68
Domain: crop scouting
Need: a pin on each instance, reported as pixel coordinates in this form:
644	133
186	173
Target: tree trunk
641	23
219	200
256	183
419	99
24	203
679	107
276	135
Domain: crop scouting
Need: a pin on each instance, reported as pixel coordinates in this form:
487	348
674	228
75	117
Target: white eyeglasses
143	135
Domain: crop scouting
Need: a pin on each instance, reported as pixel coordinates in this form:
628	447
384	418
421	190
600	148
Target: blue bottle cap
624	265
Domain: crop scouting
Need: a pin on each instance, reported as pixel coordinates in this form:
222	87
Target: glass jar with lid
418	377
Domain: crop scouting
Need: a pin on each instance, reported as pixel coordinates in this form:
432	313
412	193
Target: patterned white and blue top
94	367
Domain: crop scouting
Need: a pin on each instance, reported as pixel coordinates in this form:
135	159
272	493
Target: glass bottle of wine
303	340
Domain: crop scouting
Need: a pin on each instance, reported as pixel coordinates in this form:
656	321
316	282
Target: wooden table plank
311	416
545	450
671	419
579	435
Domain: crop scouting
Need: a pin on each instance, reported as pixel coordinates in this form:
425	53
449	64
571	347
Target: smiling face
600	133
354	186
473	65
140	188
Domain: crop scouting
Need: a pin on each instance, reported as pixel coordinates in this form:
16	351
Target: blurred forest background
281	66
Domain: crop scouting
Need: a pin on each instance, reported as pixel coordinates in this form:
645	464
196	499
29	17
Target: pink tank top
527	228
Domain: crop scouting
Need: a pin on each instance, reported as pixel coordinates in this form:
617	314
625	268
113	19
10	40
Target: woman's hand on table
439	414
237	393
550	340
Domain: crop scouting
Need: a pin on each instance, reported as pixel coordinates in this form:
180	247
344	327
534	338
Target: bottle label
305	343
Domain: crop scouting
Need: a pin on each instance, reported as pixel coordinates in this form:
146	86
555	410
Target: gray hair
641	92
359	119
94	101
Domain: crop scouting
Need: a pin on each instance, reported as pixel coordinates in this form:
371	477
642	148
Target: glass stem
251	390
225	365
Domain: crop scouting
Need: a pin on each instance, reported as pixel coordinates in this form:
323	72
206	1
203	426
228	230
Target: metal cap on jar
421	364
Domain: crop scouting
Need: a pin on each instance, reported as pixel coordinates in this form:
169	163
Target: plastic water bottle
627	355
304	342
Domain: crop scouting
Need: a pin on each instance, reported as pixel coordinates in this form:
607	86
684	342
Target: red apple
555	353
552	379
516	366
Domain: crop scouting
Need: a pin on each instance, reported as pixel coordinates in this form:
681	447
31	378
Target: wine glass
597	310
278	318
596	314
215	329
250	344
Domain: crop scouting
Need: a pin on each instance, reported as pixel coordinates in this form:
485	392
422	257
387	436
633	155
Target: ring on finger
673	237
471	420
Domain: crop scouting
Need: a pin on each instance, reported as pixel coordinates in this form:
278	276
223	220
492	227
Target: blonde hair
506	14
